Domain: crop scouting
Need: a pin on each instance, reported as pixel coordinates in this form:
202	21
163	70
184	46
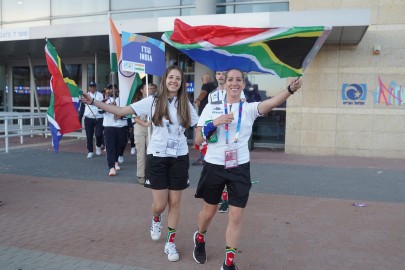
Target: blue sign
143	54
354	94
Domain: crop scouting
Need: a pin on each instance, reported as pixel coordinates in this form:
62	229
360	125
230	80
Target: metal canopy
71	41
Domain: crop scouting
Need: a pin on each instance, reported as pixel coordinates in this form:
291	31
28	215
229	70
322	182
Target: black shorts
167	172
214	178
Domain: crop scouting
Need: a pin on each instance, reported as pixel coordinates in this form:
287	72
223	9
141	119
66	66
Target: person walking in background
167	155
115	133
93	121
131	136
207	87
142	123
227	160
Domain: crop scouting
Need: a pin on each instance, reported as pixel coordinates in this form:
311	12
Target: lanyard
235	140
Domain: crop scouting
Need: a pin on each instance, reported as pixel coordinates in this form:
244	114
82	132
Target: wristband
208	130
289	90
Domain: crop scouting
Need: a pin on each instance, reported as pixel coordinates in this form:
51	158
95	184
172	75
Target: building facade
352	102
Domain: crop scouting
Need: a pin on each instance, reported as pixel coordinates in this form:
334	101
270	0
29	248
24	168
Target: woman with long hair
167	155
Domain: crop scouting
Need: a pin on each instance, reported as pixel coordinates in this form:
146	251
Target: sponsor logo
354	94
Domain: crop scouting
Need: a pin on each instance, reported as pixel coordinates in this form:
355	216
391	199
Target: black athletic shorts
167	172
214	178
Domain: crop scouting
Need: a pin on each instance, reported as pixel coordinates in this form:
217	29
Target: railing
16	124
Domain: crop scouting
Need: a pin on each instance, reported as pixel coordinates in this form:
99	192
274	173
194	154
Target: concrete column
202	7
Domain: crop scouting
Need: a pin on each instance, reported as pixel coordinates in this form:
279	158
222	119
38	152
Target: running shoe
112	172
199	254
121	159
170	250
117	167
133	151
156	229
90	155
98	150
224	207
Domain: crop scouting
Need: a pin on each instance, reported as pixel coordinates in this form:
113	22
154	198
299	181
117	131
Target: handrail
14	126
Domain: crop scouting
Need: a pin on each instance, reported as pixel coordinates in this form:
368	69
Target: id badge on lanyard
172	145
231	151
231	156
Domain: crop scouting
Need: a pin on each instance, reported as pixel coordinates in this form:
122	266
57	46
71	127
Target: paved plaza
62	211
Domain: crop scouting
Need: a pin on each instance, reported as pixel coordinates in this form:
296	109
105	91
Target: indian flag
128	81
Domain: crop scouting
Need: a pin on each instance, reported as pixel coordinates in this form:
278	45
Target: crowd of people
223	127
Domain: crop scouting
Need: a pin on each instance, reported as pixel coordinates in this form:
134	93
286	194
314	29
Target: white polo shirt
161	134
109	118
216	151
90	110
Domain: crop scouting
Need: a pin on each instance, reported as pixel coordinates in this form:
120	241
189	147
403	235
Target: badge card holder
171	147
231	157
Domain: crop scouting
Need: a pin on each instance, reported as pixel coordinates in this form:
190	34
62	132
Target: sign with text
354	93
143	54
14	34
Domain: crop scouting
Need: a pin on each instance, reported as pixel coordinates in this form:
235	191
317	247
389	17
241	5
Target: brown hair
241	72
183	109
138	94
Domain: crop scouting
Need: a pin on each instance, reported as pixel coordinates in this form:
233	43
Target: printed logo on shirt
217	110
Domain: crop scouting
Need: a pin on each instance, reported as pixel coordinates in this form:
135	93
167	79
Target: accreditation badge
171	147
231	157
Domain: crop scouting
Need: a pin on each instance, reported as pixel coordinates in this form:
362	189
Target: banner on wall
142	54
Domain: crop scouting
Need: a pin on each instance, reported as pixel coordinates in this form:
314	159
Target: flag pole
147	94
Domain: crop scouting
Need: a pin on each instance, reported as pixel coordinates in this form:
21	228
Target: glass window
140	4
13	10
269	7
147	14
269	129
84	19
187	11
187	2
42	78
76	7
21	87
91	74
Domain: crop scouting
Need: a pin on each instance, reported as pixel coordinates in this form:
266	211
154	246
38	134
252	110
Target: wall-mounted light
376	49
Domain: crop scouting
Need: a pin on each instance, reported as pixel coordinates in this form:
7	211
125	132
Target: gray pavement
62	211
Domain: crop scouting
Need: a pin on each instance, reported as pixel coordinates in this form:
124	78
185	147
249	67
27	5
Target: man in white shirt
93	122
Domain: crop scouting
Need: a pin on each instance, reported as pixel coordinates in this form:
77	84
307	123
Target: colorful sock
170	235
229	256
225	195
156	218
201	236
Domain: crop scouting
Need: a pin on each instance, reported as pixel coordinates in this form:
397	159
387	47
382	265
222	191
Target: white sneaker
112	172
172	254
121	159
156	229
90	155
117	167
133	151
98	151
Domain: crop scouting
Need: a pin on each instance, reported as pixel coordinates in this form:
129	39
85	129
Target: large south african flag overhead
284	52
